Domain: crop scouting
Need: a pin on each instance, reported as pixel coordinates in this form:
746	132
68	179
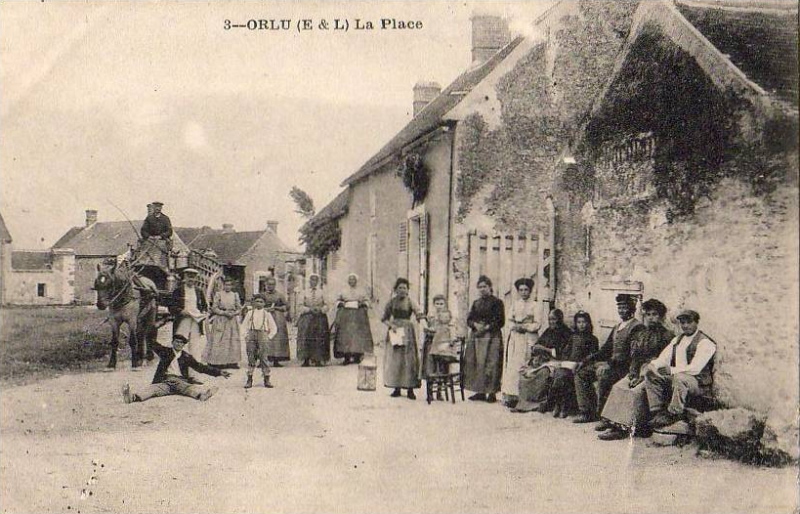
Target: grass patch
40	342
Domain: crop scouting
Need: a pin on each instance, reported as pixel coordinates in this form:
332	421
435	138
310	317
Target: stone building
647	147
35	277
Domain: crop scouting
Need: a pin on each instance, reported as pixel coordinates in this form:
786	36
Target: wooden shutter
402	254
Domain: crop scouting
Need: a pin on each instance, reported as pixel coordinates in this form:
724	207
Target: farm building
645	147
35	277
248	256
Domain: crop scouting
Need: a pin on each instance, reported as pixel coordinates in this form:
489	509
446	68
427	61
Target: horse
130	299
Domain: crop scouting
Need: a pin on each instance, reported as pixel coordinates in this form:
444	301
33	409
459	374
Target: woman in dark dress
401	360
313	335
534	380
483	353
352	333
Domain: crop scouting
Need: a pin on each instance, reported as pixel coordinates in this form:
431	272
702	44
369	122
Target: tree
305	205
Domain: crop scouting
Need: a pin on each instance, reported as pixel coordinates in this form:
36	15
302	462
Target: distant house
249	256
35	277
5	258
96	241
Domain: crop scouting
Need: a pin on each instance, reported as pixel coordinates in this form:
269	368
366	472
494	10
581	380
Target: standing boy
260	328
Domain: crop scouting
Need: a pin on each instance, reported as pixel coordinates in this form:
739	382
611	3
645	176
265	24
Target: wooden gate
506	257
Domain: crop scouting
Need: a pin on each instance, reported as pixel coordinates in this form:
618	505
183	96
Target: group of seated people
640	379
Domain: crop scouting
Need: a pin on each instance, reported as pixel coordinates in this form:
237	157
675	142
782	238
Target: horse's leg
112	320
135	338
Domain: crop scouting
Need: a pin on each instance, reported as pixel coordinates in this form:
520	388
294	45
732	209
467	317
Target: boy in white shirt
260	327
683	368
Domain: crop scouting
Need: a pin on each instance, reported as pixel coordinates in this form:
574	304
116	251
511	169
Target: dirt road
316	444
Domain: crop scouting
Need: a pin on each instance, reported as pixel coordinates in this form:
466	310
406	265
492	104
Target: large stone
781	436
738	433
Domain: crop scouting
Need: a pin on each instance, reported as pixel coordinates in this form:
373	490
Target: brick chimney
272	226
424	93
489	34
227	228
91	217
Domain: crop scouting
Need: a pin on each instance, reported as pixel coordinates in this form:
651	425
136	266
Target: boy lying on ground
172	375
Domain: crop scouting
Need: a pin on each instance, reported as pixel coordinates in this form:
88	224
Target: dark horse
130	299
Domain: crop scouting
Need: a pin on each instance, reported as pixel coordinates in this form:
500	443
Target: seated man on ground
683	369
626	406
608	365
172	375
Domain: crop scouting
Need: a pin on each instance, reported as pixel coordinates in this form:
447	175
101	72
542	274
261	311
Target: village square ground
316	444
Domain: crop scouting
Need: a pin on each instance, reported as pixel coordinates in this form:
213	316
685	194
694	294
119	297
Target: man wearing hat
626	406
608	365
190	308
172	375
682	369
156	225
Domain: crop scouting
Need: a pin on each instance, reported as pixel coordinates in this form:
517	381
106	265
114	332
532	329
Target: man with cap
608	365
156	225
190	308
626	406
172	375
684	368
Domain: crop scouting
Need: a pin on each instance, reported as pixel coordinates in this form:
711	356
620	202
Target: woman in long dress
562	398
278	347
313	334
401	360
353	336
224	348
535	379
523	334
483	353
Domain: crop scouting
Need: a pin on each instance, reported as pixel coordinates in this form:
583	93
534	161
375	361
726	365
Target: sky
111	105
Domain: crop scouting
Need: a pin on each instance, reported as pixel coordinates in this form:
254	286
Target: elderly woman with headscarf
483	354
401	360
523	333
353	336
275	302
313	336
534	378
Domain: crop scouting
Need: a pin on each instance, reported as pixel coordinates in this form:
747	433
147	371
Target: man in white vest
684	368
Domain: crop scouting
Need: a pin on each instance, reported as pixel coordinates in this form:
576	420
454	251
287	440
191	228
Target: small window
41	290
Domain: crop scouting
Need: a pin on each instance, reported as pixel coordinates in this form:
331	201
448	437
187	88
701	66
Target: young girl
260	327
442	347
582	344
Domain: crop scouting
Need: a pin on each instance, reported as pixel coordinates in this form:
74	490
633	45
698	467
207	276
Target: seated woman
582	344
626	409
535	379
353	337
523	334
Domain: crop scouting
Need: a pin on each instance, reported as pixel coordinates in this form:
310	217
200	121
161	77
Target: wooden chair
438	383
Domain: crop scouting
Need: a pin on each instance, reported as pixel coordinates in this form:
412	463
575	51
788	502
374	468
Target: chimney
227	228
91	217
424	93
272	225
489	34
